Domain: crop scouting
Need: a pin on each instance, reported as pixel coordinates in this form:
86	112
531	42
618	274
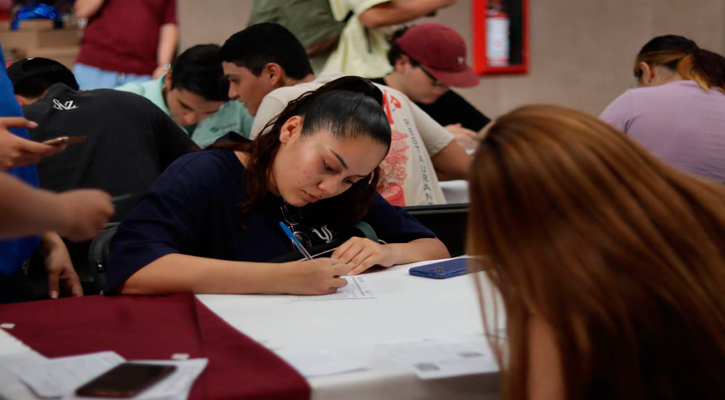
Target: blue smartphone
442	270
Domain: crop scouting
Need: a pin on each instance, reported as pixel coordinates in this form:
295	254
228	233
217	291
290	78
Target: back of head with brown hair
685	57
620	254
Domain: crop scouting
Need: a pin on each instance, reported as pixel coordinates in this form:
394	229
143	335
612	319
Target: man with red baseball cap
428	60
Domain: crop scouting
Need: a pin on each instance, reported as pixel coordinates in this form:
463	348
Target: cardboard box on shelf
40	38
29	24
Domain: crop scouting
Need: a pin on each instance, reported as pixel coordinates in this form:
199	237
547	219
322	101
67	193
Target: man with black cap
129	141
428	59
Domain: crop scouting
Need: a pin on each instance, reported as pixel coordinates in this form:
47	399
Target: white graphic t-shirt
408	177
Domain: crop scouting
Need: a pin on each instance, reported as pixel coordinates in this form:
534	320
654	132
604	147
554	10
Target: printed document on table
59	376
438	357
356	288
320	363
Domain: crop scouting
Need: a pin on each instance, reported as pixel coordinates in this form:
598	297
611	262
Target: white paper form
60	377
9	344
14	352
437	357
356	288
320	363
57	377
174	387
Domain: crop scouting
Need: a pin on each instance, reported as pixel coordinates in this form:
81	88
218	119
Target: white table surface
455	191
407	307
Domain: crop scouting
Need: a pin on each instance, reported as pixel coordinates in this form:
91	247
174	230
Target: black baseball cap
38	66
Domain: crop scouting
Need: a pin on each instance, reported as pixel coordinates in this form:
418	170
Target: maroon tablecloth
156	327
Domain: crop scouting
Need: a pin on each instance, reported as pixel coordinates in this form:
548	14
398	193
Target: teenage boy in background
428	59
194	94
267	56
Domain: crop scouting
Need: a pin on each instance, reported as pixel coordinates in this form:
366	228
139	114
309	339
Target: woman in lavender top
677	110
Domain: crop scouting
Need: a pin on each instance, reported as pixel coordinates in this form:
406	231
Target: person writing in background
210	223
194	94
610	263
125	41
428	59
677	110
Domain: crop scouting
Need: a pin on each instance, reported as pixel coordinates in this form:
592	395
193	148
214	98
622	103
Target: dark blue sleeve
394	225
167	219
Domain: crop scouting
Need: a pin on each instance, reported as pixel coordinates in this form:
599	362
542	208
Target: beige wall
581	50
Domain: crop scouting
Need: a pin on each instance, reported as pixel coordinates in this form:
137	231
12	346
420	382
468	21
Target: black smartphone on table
125	380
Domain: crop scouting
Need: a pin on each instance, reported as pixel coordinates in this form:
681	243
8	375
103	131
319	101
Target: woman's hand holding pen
318	276
362	253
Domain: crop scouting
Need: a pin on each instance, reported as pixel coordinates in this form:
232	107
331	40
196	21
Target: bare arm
452	162
87	8
24	210
545	380
399	12
175	273
168	38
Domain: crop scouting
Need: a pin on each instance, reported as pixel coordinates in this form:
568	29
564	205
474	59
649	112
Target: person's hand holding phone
87	211
16	151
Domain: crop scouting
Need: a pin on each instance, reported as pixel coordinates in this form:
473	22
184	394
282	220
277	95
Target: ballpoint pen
296	242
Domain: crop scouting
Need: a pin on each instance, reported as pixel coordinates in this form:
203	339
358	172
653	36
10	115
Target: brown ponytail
704	67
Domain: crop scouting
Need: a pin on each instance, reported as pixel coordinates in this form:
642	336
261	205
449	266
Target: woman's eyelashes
327	167
331	170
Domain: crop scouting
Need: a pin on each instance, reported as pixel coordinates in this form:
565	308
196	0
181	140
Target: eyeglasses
292	217
435	80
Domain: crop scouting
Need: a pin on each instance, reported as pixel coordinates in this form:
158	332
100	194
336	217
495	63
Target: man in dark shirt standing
428	60
129	141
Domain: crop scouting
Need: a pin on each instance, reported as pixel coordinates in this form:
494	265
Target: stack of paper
60	377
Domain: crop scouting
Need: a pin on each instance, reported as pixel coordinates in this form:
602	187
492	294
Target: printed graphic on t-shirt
404	176
392	170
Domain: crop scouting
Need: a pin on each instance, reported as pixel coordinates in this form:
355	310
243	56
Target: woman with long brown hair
677	110
610	264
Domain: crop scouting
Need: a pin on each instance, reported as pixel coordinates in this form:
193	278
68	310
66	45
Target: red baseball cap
442	51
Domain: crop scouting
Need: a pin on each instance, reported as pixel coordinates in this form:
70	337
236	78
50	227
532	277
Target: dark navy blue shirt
194	209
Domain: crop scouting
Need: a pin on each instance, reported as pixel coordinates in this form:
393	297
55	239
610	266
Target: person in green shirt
194	92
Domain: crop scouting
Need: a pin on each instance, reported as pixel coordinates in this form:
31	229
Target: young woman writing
210	224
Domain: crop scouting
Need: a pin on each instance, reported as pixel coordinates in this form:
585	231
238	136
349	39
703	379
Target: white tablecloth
407	307
455	191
